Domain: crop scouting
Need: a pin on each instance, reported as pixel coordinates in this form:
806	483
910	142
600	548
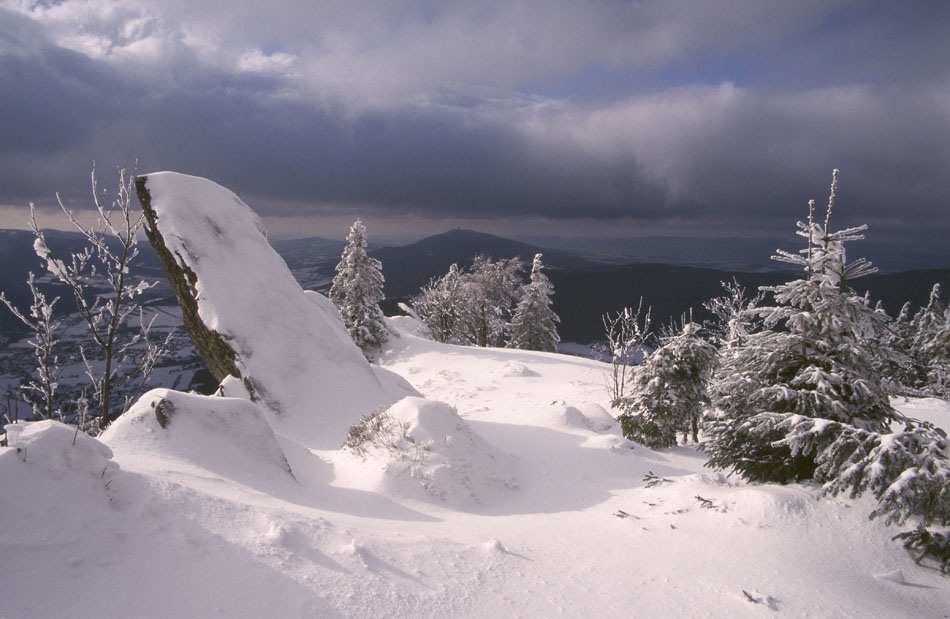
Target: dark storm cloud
730	113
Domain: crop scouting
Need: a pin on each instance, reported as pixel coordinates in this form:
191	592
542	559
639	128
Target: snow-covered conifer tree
534	324
733	318
357	290
813	358
930	317
930	345
668	392
907	471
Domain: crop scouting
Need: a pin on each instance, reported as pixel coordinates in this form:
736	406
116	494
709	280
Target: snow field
201	518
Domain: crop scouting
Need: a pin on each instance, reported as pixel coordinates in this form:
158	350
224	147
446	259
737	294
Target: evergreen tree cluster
925	340
488	305
801	389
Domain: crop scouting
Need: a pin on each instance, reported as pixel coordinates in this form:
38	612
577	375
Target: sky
605	118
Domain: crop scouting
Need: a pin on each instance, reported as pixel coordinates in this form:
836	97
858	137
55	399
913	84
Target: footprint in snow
760	598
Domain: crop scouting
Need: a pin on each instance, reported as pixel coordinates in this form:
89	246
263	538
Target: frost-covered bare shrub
376	430
118	360
627	336
472	307
490	290
440	306
733	315
39	390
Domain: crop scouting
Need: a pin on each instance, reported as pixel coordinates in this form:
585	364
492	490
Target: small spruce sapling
669	390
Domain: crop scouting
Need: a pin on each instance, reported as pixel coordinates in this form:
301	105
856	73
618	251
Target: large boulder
249	317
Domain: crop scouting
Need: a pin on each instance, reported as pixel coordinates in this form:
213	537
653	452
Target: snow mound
599	419
227	436
593	417
409	325
765	505
48	447
50	484
516	370
422	449
290	345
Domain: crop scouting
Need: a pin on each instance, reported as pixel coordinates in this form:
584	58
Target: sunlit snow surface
546	514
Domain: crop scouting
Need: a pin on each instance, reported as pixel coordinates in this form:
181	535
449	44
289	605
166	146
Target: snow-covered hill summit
479	483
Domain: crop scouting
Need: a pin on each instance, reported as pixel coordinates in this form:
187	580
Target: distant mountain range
586	286
409	267
740	253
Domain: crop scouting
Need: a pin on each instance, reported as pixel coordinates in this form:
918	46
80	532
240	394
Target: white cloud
256	61
384	53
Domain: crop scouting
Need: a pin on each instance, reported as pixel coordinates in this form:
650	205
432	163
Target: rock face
249	317
214	350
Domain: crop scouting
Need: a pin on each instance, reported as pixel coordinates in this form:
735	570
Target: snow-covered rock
227	436
289	346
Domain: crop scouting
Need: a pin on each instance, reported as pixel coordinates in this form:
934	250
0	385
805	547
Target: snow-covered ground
516	497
